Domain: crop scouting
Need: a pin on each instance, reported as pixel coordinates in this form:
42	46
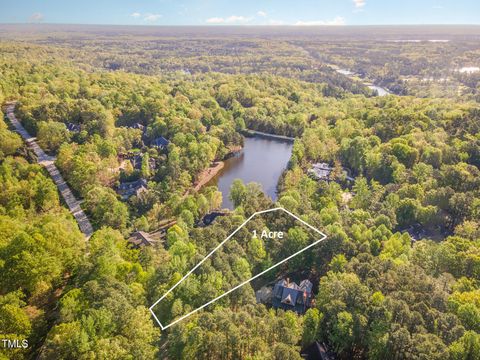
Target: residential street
49	163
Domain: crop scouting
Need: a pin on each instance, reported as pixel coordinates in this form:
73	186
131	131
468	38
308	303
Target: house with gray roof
290	296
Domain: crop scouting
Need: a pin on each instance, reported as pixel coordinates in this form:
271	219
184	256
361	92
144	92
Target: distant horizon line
239	25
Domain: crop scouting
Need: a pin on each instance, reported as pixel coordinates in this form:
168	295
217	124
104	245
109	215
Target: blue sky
242	12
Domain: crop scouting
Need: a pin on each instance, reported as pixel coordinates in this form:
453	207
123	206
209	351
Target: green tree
407	212
338	263
10	142
52	134
407	155
311	323
238	192
342	332
466	348
469	314
105	208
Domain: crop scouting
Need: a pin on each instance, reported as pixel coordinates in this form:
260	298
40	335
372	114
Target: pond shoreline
216	167
254	133
208	174
262	160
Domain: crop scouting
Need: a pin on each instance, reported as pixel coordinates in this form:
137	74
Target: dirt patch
208	174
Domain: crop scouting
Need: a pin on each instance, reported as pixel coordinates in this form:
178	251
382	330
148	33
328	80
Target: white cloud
148	17
152	17
333	22
36	17
234	19
359	3
262	13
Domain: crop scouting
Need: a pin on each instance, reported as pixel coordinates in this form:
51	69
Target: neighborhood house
160	143
322	171
287	295
290	296
128	189
140	239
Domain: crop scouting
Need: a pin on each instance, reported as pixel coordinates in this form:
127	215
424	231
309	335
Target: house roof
140	238
290	296
323	166
263	295
317	351
306	285
138	126
160	141
322	171
132	184
73	127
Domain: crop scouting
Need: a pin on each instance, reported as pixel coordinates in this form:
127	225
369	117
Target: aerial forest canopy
398	274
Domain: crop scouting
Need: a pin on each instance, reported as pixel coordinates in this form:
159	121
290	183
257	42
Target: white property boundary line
246	281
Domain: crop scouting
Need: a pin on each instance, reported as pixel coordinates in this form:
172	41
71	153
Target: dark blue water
261	160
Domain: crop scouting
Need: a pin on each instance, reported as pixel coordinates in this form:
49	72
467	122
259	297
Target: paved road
49	163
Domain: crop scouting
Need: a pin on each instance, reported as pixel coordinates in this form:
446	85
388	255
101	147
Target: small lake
261	160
